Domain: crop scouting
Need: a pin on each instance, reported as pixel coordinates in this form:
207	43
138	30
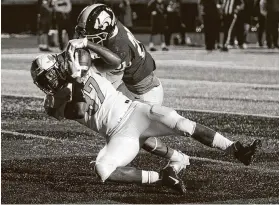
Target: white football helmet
49	72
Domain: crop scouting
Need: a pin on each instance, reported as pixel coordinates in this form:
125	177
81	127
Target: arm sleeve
54	105
123	51
52	109
109	57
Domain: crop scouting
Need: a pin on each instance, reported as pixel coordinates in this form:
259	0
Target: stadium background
13	20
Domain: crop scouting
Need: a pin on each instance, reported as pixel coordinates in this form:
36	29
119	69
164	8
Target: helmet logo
103	21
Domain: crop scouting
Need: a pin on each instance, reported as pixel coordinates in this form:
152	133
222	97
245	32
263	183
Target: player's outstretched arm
110	60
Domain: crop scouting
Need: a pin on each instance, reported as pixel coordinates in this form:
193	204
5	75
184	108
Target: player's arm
54	105
61	105
109	60
80	62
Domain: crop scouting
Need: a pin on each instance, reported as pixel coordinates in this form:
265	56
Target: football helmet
96	22
48	73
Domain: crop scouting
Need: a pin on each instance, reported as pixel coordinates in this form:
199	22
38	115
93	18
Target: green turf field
236	93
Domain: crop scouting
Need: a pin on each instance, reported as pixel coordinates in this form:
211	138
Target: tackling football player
125	124
98	24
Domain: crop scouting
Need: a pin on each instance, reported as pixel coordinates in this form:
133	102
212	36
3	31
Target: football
84	57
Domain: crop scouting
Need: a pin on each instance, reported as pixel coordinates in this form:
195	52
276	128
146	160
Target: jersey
136	63
105	106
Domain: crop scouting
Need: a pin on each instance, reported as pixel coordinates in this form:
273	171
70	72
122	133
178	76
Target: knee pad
104	170
164	115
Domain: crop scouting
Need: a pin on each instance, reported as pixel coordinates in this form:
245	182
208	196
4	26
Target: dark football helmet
49	73
96	22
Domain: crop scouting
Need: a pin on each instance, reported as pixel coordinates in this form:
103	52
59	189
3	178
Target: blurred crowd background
170	20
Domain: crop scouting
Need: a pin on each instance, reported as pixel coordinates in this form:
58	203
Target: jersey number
93	105
136	43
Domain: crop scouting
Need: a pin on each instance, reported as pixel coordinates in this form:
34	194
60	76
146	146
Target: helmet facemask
97	38
51	79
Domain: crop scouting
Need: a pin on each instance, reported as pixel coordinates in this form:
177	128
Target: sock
163	45
149	177
176	156
151	45
221	142
178	161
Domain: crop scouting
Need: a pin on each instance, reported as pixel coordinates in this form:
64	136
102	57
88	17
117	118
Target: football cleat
170	179
165	49
224	49
181	164
245	153
152	49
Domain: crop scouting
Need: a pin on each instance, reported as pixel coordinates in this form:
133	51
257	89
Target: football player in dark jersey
98	24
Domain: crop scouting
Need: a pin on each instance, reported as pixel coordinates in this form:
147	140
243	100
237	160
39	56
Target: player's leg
154	145
112	159
123	148
151	38
43	37
167	121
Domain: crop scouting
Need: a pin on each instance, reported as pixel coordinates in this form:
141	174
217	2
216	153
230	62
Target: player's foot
44	49
243	46
245	153
170	179
180	164
152	49
225	49
165	49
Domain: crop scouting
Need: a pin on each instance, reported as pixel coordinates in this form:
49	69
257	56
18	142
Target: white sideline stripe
231	163
219	83
24	96
201	64
11	73
29	135
229	113
193	158
179	109
214	64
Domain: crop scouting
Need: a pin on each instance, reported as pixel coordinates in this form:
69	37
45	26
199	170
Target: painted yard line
206	82
179	109
28	135
23	96
265	170
12	72
196	63
228	113
214	64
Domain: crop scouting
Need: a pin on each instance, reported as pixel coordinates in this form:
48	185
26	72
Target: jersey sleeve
123	51
54	105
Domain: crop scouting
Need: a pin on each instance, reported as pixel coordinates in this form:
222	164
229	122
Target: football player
124	124
98	24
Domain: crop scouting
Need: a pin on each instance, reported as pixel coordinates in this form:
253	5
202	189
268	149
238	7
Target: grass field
236	93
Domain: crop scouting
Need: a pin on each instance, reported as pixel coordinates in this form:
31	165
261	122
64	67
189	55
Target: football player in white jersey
125	124
98	24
